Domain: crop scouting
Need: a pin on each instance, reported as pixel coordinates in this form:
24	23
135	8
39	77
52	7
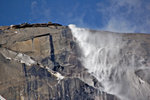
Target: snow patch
1	98
16	32
24	59
59	76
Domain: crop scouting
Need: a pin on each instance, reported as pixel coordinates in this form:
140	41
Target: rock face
40	62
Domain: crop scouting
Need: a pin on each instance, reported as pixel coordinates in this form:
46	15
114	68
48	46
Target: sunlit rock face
42	62
120	62
54	62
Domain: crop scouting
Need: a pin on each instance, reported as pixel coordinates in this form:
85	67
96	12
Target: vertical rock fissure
27	82
52	49
25	70
32	44
52	55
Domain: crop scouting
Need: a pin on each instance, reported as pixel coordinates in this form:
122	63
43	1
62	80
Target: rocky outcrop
25	25
40	62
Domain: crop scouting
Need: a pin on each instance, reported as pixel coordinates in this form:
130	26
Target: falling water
106	56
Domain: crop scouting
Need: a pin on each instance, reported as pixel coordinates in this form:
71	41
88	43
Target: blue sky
111	15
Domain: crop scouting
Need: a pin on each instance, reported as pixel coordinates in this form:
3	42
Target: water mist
107	57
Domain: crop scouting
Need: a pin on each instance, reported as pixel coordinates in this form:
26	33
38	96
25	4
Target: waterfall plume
108	57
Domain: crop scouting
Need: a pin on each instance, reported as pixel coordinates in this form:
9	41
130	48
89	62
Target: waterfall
106	56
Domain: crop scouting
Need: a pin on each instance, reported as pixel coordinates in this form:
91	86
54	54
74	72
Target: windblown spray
104	56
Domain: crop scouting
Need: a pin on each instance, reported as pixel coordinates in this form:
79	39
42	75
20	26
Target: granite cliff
40	62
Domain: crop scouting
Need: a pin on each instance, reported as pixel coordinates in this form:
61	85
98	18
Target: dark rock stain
27	81
57	66
52	49
25	70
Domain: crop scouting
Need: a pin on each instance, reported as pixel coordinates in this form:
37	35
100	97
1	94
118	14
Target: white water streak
103	56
